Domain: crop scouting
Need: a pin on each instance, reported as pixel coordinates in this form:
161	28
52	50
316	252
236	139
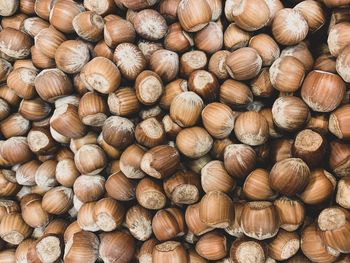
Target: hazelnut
118	31
216	209
245	249
291	213
313	13
254	223
250	16
160	162
314	248
235	94
239	160
301	52
217	64
150	25
48	40
338	38
120	187
251	128
150	194
256	186
129	59
194	142
212	246
13	228
189	16
343	188
168	223
235	37
289	176
338	122
185	109
342	64
284	245
62	14
15	44
88	25
165	63
289	27
139	223
339	158
169	251
244	63
149	87
290	113
176	39
204	84
266	47
287	74
319	82
209	39
191	61
333	224
183	188
71	56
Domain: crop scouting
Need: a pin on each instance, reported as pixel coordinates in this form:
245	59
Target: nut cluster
174	131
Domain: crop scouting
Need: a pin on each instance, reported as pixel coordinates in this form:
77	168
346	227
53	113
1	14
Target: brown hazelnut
250	16
212	246
118	132
245	249
289	176
254	220
150	194
189	16
168	223
291	213
338	38
244	63
256	186
139	223
284	245
290	113
183	188
191	61
251	128
118	31
314	248
165	63
169	251
235	94
289	27
176	39
338	122
209	39
239	160
204	84
15	44
120	187
71	56
266	47
319	82
150	24
160	162
235	37
194	142
333	225
149	87
48	40
287	74
185	108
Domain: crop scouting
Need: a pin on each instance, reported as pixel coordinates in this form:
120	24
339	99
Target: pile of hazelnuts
174	131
